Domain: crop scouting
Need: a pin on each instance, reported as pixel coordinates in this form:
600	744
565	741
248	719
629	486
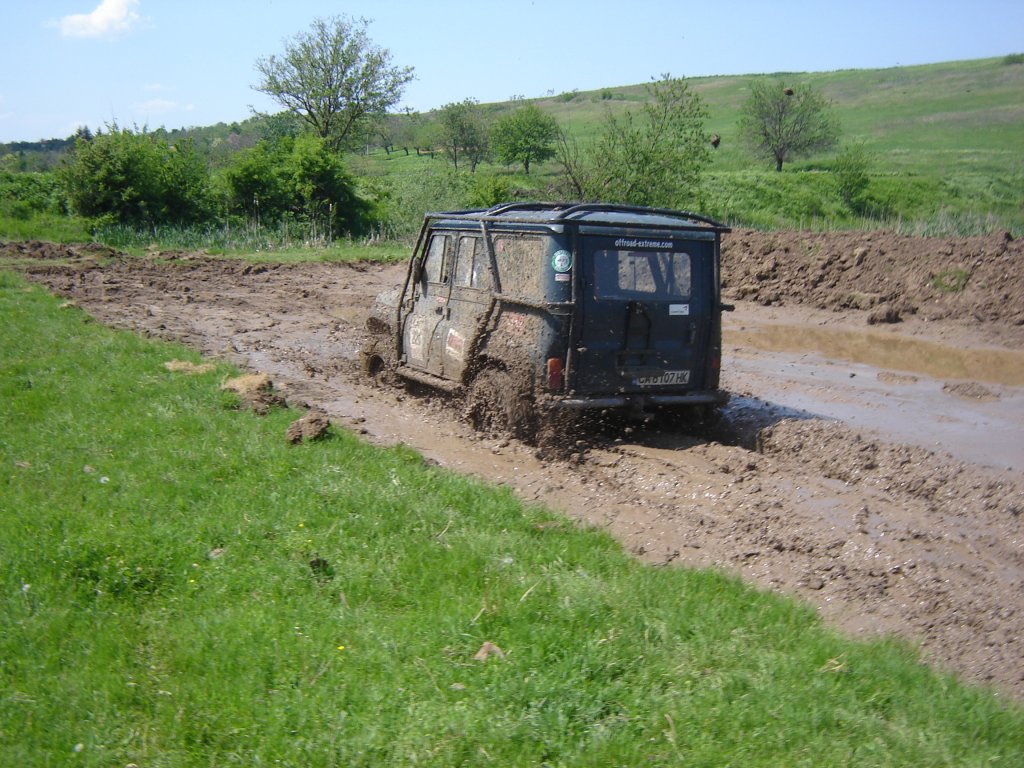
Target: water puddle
995	366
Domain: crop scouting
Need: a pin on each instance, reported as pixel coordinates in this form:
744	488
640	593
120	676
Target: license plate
668	378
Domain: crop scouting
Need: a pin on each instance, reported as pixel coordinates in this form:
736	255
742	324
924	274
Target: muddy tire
378	358
498	405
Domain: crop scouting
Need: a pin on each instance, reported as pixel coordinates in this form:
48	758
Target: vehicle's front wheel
499	404
378	357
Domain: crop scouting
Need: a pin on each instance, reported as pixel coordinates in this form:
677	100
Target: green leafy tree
462	132
135	178
335	78
779	122
257	180
525	136
296	179
654	157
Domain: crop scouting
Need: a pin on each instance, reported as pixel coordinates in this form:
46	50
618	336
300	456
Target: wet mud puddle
887	351
966	402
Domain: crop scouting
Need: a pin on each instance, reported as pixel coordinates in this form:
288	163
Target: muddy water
893	385
884	350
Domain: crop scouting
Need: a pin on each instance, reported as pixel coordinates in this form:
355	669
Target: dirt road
903	516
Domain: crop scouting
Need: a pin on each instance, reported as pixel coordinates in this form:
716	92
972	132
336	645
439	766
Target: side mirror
727	307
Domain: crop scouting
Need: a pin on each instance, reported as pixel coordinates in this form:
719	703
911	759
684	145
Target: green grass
158	605
45	226
951	280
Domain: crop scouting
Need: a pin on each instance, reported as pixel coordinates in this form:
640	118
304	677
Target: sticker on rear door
679	309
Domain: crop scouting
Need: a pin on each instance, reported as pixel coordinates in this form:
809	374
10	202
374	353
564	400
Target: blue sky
174	63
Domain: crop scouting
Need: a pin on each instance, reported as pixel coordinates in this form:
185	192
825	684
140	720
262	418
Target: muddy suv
534	308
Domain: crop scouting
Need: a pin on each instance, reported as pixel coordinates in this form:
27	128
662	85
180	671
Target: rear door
645	314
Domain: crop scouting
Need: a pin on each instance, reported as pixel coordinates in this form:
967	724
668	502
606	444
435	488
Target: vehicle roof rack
570	211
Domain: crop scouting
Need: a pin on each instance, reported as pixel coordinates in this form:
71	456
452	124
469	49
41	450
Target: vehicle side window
520	261
464	260
471	267
436	264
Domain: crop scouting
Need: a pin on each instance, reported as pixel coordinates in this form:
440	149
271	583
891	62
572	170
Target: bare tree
335	78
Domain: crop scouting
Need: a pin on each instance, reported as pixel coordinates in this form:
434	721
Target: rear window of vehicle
633	274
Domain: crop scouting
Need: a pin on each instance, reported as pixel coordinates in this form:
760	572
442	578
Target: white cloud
110	16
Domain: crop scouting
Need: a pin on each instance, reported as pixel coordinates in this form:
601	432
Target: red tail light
555	368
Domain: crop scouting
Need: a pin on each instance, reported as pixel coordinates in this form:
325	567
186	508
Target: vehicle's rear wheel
500	404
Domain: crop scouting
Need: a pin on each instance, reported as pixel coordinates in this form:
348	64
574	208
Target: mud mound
947	486
36	250
978	278
256	391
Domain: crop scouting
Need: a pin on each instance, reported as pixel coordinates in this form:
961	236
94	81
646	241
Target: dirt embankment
978	279
882	537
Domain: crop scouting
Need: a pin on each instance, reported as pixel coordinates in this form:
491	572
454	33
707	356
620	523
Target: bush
25	194
137	179
296	179
487	190
401	201
851	170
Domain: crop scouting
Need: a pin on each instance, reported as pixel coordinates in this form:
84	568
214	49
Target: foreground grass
178	586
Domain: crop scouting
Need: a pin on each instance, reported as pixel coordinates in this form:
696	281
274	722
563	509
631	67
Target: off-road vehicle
534	308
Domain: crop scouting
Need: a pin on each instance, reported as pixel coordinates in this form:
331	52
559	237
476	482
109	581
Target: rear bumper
641	400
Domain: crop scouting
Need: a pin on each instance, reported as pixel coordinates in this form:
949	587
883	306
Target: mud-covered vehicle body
528	307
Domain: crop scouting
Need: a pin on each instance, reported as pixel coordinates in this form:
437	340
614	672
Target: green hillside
944	145
930	119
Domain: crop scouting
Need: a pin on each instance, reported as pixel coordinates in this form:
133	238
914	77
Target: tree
780	122
656	157
335	78
524	136
463	133
136	178
296	179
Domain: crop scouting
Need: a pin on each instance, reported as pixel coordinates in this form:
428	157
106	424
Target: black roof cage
560	212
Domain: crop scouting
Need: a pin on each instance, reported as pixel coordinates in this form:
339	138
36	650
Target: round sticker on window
561	261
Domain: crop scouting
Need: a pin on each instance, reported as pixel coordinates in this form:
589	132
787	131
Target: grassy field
182	587
944	144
